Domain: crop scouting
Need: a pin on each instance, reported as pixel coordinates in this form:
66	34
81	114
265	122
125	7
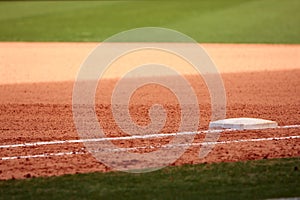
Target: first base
243	124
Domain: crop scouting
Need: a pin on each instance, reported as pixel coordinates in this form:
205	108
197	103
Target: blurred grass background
218	21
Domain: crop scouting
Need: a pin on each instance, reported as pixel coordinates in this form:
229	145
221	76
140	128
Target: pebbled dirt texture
260	81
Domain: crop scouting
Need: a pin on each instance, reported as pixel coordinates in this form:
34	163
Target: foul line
201	143
151	147
134	137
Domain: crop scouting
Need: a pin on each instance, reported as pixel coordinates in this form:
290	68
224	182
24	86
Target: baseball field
255	47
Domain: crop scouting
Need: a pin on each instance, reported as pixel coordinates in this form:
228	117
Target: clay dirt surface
36	87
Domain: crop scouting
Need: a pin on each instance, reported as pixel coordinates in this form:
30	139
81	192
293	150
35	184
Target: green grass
241	180
225	21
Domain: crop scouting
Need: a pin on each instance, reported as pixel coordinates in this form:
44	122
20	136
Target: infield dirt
36	105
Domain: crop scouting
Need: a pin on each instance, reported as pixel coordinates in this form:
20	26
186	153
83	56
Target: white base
243	124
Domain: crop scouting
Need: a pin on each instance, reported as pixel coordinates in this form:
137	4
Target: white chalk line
134	137
198	144
151	147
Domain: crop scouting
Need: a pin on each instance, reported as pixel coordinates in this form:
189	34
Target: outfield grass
223	21
241	180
